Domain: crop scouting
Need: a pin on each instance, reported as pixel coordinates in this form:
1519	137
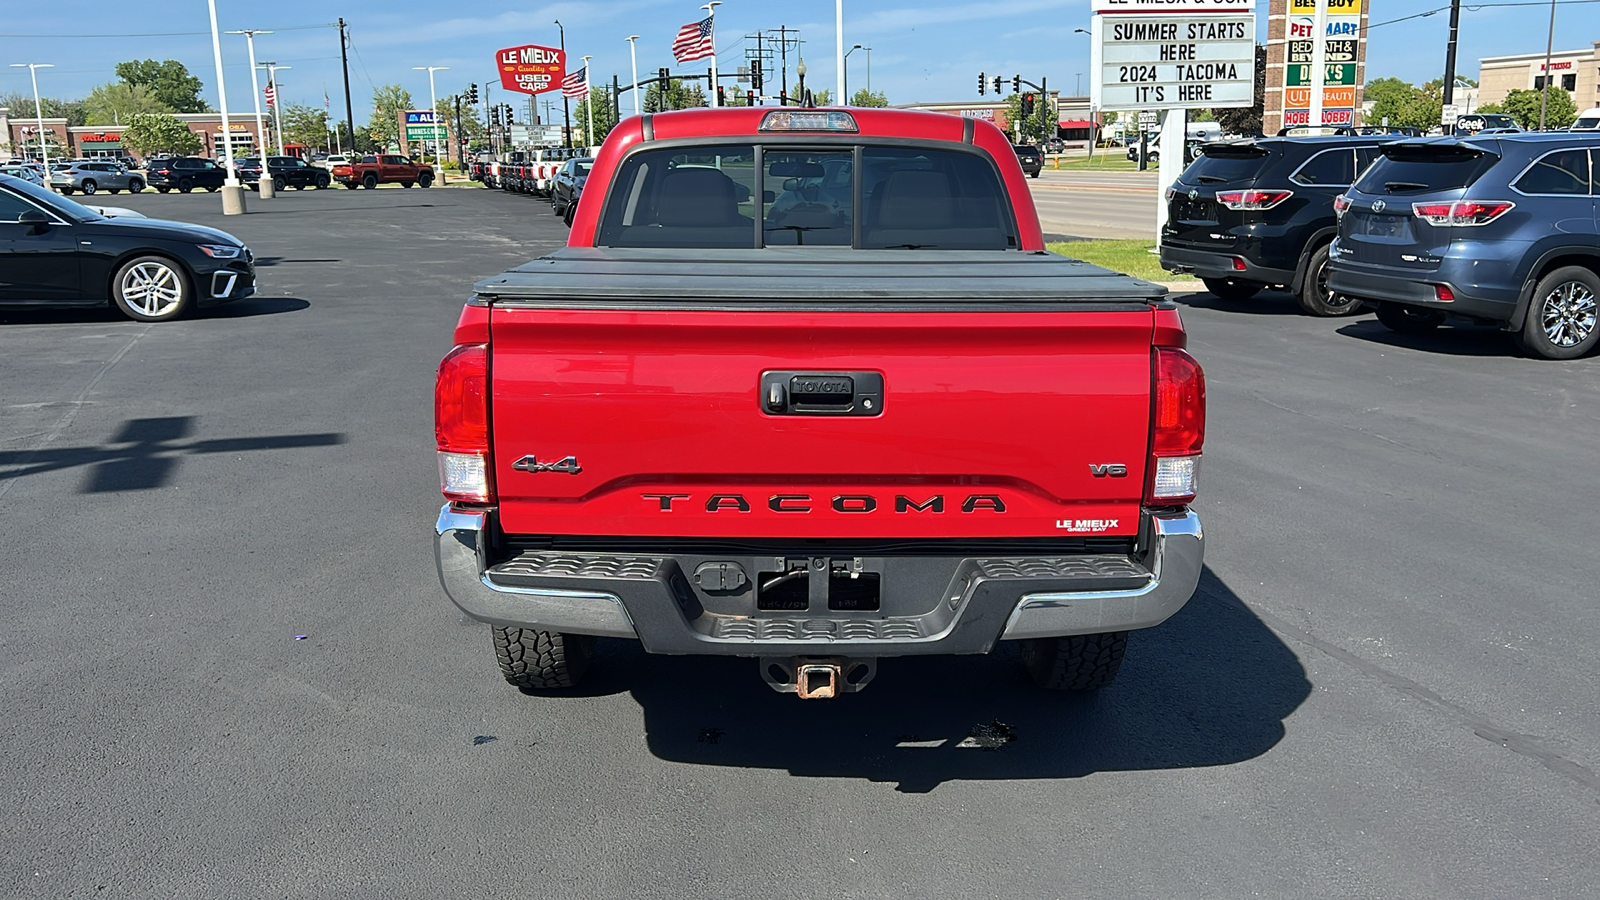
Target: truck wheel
1233	288
1409	320
351	185
1081	662
425	181
1561	318
1315	298
541	660
405	184
369	182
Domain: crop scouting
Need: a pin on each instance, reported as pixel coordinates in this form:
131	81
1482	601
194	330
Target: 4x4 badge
1378	205
530	463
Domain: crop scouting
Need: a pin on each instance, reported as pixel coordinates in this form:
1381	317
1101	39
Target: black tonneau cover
814	277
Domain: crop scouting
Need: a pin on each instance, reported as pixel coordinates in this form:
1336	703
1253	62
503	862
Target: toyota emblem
1378	205
1194	195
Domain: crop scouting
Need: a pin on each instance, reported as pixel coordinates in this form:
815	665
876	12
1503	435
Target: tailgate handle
821	393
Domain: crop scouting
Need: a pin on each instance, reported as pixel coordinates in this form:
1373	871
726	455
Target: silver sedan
90	177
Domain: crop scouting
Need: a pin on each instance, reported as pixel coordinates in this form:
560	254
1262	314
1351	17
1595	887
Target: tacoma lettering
843	503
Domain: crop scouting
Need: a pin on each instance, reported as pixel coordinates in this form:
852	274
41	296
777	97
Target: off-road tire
541	660
1409	320
1081	662
1232	288
370	182
1315	298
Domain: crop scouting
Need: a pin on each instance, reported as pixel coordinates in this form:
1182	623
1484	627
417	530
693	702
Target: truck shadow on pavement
144	454
1212	686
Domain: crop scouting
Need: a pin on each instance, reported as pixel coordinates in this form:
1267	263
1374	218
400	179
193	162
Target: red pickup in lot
375	169
805	386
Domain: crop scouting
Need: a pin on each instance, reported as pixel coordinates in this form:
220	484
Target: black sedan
58	252
567	185
287	172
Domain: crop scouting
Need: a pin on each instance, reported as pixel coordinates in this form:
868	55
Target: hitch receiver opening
817	678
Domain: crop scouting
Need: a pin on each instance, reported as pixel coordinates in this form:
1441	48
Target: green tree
677	96
1524	107
1247	119
604	120
823	97
1399	102
868	98
1040	125
169	81
305	125
117	102
21	106
388	102
151	133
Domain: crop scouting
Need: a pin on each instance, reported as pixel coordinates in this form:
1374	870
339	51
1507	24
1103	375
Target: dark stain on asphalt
710	735
993	736
482	739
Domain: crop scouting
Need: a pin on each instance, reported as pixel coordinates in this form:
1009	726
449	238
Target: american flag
694	41
272	94
576	84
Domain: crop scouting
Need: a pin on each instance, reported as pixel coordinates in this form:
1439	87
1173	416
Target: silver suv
90	177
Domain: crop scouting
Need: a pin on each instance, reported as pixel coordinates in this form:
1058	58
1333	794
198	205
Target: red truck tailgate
992	424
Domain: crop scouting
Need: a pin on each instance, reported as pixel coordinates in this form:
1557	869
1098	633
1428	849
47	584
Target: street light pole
711	13
633	57
232	193
264	186
38	112
838	47
566	105
1544	95
433	106
844	89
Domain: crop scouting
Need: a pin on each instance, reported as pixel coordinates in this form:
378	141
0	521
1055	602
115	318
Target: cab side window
1330	168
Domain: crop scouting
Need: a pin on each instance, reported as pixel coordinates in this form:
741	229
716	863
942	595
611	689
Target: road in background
1088	204
1383	689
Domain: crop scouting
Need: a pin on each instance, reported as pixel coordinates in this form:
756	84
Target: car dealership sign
531	69
1180	54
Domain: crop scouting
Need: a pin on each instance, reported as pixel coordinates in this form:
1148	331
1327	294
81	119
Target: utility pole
783	55
1450	55
344	59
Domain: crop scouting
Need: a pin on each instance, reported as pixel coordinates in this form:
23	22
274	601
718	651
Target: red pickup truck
805	386
383	168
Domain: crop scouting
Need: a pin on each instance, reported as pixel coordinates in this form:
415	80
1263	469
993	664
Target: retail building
1577	71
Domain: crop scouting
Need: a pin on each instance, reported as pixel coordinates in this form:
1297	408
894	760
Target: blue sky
927	51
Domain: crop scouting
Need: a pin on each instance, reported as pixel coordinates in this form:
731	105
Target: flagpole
711	15
588	105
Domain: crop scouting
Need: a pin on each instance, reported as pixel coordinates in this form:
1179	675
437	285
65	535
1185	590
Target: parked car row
1496	227
524	172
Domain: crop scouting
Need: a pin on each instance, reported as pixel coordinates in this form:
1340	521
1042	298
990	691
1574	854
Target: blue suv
1499	228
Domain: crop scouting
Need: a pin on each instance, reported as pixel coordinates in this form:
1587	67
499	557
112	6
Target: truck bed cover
814	277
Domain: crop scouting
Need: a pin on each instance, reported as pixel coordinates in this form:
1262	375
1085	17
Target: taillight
1171	192
1252	199
1464	213
1340	204
461	424
1177	428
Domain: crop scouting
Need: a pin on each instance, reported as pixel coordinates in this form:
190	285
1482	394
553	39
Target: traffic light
1027	105
1016	83
722	96
983	82
997	81
755	76
494	116
665	76
472	94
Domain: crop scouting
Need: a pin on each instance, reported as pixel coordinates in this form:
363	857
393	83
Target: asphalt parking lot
229	669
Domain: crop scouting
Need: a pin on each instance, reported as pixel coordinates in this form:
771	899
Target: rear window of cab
748	196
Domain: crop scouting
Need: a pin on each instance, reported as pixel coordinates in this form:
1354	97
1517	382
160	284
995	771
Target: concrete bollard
233	200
